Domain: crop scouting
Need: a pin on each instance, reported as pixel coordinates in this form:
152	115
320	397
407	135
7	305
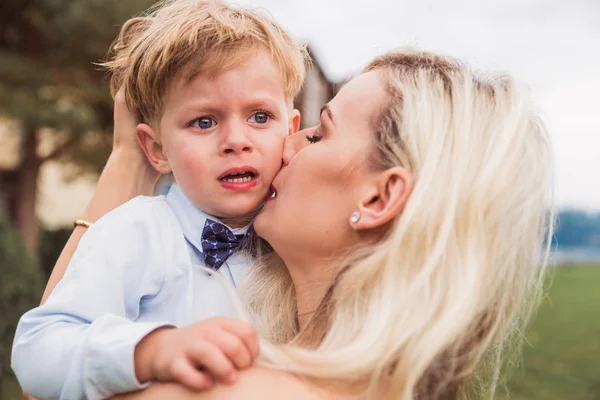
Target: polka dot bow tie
218	243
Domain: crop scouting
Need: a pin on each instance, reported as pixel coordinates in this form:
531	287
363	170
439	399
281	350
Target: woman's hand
127	156
197	355
125	124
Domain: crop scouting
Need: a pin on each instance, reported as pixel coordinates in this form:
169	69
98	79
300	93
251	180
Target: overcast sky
552	45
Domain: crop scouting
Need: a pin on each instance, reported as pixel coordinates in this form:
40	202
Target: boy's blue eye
204	123
260	117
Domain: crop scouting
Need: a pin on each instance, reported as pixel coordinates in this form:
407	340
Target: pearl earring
355	217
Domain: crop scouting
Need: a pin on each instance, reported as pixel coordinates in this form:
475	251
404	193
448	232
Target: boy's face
222	136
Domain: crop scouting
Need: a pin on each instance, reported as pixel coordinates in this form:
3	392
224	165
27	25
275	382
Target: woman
408	229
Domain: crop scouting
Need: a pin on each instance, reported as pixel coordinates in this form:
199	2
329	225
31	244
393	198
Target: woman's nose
291	146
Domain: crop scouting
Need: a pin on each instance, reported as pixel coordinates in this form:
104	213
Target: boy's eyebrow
328	111
206	103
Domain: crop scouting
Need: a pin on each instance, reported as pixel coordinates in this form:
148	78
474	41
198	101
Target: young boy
214	86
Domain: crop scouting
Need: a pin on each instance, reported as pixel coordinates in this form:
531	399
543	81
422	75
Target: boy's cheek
270	146
275	155
276	142
192	164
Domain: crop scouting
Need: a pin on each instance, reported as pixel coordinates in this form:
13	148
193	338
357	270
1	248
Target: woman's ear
386	199
150	144
294	123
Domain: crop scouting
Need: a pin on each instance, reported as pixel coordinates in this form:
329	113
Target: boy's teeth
238	177
238	180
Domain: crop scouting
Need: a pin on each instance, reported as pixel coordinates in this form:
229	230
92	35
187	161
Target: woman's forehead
360	98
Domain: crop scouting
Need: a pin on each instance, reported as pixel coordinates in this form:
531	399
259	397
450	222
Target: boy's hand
26	396
196	355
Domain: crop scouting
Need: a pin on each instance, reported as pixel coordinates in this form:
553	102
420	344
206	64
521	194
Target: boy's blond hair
182	38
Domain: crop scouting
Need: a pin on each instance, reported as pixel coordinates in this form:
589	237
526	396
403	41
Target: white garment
133	271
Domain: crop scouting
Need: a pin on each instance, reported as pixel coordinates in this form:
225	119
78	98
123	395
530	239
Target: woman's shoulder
255	383
263	383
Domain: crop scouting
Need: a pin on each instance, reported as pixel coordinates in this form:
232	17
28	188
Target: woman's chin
261	223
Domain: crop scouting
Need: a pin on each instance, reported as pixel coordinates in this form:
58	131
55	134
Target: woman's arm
126	175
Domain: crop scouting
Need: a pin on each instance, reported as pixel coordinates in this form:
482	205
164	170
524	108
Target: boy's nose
235	139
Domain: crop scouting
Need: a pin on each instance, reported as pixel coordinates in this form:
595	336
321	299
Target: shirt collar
191	218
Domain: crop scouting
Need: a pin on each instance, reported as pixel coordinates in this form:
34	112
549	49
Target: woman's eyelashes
314	138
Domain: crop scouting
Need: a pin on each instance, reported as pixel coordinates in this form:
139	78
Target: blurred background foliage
50	86
20	289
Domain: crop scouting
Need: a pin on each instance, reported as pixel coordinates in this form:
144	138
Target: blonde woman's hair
181	38
429	311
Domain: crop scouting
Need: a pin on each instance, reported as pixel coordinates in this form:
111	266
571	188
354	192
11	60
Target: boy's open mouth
238	178
272	193
238	175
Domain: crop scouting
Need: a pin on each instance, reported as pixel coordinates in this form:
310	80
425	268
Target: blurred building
316	91
61	200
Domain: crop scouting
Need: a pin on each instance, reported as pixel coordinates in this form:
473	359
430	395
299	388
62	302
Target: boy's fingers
27	397
185	373
208	356
233	347
246	332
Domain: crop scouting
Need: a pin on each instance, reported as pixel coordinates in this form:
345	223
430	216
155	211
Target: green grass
562	359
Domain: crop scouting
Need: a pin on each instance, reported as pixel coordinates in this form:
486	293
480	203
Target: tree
50	85
20	288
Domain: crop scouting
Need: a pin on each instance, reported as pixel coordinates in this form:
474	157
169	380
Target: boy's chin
240	213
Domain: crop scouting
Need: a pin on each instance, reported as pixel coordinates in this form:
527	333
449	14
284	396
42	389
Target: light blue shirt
133	272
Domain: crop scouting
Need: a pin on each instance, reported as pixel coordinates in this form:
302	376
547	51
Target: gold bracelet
80	222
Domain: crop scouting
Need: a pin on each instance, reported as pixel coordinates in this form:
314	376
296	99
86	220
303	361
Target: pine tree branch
60	150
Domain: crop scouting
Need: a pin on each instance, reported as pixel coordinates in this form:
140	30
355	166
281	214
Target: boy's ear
294	124
150	144
385	199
